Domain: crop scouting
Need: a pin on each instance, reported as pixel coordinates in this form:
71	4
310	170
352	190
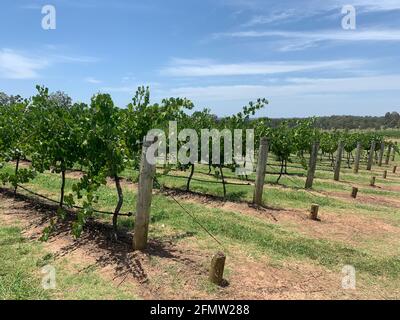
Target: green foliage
57	135
14	135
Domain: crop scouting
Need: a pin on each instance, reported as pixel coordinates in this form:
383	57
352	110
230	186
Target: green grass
19	278
21	263
257	233
253	234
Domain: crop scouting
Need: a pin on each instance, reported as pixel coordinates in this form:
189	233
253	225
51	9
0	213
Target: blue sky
219	53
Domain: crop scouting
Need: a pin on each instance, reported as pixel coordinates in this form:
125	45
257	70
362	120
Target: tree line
391	120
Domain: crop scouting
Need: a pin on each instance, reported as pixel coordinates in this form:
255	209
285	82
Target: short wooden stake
314	212
385	174
354	192
216	275
372	183
394	169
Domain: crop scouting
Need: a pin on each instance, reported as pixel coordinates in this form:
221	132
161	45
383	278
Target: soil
176	267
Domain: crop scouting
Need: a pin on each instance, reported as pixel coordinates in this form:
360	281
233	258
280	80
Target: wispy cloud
14	65
373	5
266	13
21	65
313	5
270	18
343	35
303	40
75	59
207	68
121	89
292	87
92	80
92	4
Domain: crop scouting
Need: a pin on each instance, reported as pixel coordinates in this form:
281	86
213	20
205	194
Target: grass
21	263
19	279
238	228
255	235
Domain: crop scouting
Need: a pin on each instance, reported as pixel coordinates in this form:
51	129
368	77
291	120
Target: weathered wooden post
312	166
354	192
371	155
216	274
381	154
261	170
357	159
372	182
394	151
145	188
338	162
314	212
388	154
394	169
385	174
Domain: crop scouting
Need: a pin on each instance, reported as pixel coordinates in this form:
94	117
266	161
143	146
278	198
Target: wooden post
143	204
385	174
394	151
314	212
371	155
354	192
388	154
217	268
338	162
261	170
381	154
358	157
312	166
372	182
394	169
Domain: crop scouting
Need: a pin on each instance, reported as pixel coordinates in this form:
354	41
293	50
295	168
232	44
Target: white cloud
75	59
313	6
278	12
344	35
271	18
14	65
20	65
92	80
374	5
292	87
131	88
123	89
205	68
303	40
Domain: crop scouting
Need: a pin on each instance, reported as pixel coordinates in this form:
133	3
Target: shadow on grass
235	197
97	239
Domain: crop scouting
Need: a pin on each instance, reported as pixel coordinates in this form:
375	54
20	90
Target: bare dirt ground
176	267
350	228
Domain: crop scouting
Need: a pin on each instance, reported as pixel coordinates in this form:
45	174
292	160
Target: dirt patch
366	199
176	267
349	228
391	188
